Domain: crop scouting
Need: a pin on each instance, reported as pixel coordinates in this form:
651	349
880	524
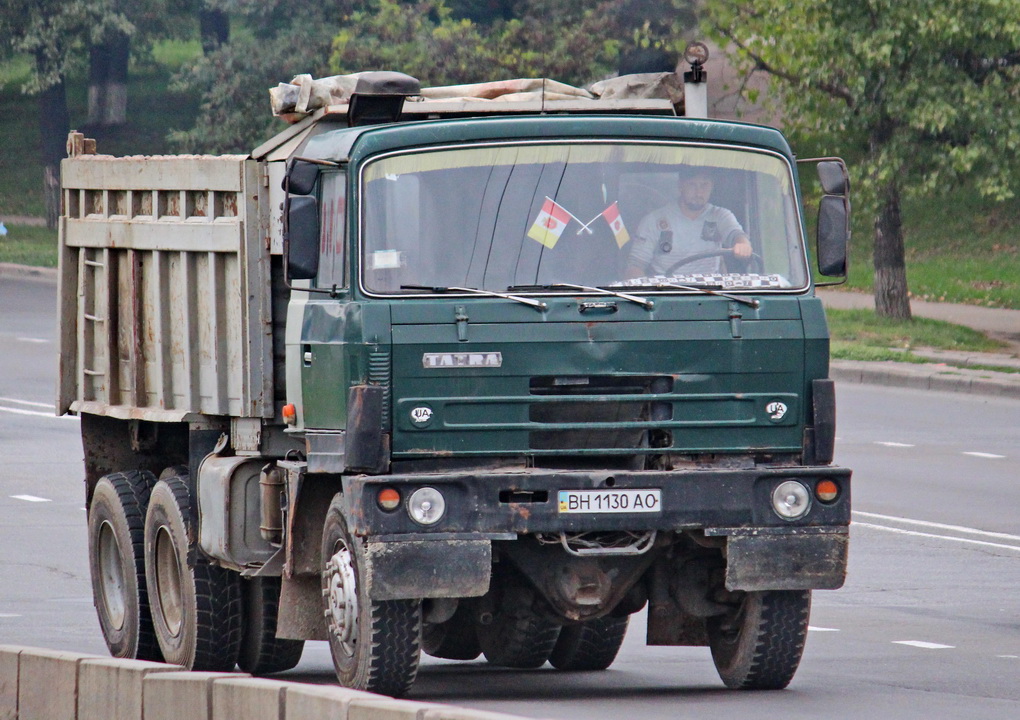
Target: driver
690	226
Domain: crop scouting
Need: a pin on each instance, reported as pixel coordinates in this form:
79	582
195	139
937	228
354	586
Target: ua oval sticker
421	415
776	410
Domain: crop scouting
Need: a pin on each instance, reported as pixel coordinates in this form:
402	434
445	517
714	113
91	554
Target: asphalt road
928	624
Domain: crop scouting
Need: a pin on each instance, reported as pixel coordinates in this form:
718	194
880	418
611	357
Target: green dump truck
435	373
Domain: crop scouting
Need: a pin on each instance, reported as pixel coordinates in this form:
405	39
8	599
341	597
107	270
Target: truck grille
593	405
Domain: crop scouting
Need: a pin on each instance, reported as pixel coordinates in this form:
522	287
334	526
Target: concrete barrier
104	678
48	684
383	708
9	681
181	695
248	698
323	702
40	684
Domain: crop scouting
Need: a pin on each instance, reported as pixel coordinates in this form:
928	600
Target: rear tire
262	653
117	563
590	645
376	645
518	637
196	609
455	639
759	644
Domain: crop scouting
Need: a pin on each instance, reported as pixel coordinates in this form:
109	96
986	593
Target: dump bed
164	288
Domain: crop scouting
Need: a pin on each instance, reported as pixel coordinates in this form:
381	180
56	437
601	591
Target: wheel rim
342	599
112	573
168	582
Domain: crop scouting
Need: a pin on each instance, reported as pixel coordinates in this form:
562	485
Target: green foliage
921	93
549	38
57	34
561	39
53	32
282	40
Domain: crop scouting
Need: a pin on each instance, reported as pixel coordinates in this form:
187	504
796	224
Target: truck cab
534	382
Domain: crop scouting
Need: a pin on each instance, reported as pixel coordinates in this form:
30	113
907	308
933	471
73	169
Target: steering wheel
754	261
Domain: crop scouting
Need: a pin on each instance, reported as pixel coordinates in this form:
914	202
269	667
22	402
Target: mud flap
808	560
428	569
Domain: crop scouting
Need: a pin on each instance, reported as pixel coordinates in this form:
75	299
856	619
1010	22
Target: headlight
791	500
426	505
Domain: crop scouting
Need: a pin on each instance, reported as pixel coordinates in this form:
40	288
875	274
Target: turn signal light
289	414
826	490
388	499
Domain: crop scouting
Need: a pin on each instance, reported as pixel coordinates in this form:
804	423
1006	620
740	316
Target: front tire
376	645
590	645
758	646
117	564
196	609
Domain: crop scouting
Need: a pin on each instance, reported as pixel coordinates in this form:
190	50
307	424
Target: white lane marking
31	498
893	444
1011	657
9	615
812	628
937	537
990	456
36	413
31	403
923	645
33	340
938	526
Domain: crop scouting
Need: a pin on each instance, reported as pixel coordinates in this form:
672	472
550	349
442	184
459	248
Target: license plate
610	501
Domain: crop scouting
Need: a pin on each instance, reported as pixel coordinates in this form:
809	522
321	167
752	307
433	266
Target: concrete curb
927	377
38	684
27	272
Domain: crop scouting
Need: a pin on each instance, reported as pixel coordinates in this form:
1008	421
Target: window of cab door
333	232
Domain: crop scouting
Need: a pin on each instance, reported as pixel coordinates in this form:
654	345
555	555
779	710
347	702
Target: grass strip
29	245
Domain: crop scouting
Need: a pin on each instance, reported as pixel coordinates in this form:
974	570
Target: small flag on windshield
612	216
551	222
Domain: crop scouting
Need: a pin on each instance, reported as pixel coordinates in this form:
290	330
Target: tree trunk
53	128
214	27
108	74
891	298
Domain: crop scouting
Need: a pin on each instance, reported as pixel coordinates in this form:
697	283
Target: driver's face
695	192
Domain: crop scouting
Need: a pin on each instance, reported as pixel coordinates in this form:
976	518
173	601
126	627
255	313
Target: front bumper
502	504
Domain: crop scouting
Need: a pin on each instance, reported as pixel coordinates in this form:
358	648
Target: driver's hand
742	249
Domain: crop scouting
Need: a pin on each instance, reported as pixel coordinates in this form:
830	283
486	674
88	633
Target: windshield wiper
750	302
644	302
537	304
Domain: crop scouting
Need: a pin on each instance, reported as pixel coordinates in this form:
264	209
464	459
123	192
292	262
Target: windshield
529	216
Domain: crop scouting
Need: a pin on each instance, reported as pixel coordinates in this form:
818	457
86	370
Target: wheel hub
112	577
342	598
168	582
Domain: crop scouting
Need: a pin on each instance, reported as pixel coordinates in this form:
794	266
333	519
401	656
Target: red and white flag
612	216
551	222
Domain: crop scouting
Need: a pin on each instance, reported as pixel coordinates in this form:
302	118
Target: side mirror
834	177
301	239
301	178
833	238
833	235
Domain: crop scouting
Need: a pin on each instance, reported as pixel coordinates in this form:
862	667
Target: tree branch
835	90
